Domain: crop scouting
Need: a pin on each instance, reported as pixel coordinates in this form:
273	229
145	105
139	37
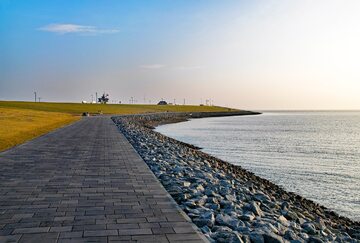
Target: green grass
77	108
21	121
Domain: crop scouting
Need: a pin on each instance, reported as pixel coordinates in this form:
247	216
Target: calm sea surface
314	154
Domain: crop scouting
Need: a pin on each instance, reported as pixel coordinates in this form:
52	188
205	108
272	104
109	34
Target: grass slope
20	125
77	108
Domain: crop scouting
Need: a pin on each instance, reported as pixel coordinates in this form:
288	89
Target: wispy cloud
189	67
76	29
152	66
160	66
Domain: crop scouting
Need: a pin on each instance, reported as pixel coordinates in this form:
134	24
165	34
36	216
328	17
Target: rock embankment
228	203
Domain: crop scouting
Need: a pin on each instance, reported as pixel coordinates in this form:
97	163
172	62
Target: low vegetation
77	108
20	125
21	121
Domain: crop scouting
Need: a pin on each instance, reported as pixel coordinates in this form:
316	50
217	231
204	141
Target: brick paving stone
183	237
102	239
122	226
10	238
120	238
73	234
134	231
42	237
161	231
100	233
61	229
150	238
85	183
31	230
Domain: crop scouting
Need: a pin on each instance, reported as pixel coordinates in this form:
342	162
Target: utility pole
96	101
39	99
92	98
184	101
35	95
174	102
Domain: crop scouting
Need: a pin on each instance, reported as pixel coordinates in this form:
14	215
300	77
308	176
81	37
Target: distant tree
104	99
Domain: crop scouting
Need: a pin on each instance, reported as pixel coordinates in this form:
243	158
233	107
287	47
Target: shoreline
240	205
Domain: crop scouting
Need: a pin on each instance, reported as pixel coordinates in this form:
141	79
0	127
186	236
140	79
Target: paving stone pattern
85	183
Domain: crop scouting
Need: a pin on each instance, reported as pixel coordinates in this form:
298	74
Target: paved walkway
85	183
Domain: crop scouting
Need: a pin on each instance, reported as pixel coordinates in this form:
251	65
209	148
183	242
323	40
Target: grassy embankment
20	125
21	121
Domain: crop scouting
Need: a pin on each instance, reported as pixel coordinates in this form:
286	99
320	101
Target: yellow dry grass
78	108
20	125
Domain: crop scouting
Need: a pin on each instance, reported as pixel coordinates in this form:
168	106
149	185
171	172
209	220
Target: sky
254	55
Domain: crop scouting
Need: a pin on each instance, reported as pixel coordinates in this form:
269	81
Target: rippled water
314	154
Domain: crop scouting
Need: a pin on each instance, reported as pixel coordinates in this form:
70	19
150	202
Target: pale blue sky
245	54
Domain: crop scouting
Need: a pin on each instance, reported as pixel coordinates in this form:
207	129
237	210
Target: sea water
314	154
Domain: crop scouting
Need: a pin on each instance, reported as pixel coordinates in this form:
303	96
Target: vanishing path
85	183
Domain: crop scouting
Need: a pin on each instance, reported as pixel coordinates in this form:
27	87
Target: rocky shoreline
226	202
